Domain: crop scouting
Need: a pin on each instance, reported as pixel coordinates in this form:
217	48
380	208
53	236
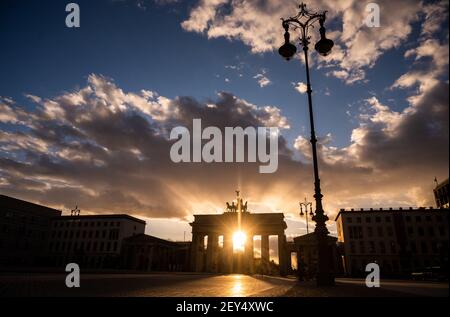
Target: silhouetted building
24	232
400	240
307	255
92	241
224	242
147	253
441	194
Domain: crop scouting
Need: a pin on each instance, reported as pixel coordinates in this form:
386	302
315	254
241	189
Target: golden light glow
239	241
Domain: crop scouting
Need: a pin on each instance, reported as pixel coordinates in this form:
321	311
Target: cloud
262	79
358	47
107	150
300	87
202	15
7	114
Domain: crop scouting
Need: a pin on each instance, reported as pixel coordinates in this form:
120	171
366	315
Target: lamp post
303	21
306	205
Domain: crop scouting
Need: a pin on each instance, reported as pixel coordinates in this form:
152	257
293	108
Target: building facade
400	240
441	194
143	252
24	232
92	241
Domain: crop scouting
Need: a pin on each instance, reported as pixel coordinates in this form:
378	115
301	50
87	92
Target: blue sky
189	48
148	49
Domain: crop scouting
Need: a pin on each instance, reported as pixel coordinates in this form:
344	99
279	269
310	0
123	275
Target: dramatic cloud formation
358	47
108	150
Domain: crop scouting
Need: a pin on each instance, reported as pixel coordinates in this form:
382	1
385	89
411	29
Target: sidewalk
342	289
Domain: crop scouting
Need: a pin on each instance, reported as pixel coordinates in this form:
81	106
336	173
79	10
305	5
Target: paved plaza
204	285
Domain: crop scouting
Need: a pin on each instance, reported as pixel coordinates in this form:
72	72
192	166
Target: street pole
303	21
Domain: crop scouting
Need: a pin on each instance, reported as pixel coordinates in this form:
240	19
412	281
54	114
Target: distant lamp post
308	209
303	21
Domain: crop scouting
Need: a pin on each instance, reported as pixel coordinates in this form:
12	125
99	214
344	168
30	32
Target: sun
239	241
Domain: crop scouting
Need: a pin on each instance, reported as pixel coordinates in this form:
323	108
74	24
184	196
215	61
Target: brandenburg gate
224	243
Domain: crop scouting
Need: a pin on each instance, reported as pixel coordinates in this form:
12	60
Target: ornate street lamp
308	210
303	21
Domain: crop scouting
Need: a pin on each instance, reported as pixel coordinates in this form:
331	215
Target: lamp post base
325	280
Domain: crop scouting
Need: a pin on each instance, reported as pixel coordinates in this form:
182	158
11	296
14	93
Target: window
390	231
358	219
441	230
408	218
431	231
352	247
104	234
382	247
418	219
115	246
378	219
434	247
413	247
113	234
371	247
439	218
370	231
421	231
380	231
355	232
102	246
350	220
362	248
393	247
424	247
388	219
428	218
368	219
108	246
410	230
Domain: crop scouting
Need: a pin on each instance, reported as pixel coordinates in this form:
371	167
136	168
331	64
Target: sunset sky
85	113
